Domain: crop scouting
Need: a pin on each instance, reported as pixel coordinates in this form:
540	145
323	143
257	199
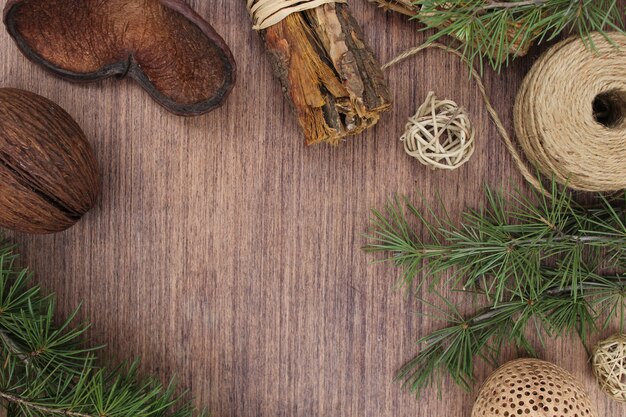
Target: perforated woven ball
532	388
609	365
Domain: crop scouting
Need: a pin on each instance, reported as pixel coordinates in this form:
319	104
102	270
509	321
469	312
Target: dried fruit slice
163	44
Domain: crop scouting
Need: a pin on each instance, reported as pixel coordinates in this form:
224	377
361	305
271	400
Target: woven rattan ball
440	134
532	388
609	365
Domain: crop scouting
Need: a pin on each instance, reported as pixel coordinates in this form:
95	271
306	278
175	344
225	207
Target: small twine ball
440	135
609	366
533	388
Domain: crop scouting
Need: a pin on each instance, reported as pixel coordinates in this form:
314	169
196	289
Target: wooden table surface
224	252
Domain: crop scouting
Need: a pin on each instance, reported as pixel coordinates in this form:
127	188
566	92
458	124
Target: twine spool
440	134
266	13
570	113
530	387
609	366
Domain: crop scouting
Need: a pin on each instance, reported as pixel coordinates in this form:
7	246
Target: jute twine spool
440	134
266	13
570	113
609	366
530	387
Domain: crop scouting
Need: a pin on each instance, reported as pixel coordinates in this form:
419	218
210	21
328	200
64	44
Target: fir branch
46	370
537	261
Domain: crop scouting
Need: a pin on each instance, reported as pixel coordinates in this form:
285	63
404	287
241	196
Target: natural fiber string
609	366
440	135
528	175
266	13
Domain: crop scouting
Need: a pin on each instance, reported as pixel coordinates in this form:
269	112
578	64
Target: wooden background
226	253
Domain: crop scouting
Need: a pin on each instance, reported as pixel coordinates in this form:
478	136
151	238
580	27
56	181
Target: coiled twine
570	113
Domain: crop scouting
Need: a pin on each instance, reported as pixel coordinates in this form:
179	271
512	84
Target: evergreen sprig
490	29
45	370
541	263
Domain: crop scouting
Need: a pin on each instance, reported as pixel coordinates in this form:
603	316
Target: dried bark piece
328	72
48	172
173	53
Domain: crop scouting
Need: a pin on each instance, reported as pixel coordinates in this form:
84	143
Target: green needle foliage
491	29
547	266
46	371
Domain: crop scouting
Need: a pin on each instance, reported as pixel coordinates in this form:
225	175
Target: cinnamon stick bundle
328	72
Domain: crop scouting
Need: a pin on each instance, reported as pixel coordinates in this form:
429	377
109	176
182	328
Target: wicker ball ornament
609	365
440	134
532	388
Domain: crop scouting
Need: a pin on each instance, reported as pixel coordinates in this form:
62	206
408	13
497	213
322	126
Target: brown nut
48	172
173	53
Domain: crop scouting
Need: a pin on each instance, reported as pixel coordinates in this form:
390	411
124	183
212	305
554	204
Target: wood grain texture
225	252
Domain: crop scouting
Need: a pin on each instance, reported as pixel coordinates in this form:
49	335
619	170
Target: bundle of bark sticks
328	72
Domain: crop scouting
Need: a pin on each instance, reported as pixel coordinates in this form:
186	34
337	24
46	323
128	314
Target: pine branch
506	245
554	313
47	370
510	4
540	263
491	30
46	410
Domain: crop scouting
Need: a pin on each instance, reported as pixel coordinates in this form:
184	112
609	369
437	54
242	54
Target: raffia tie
609	366
440	134
266	13
570	114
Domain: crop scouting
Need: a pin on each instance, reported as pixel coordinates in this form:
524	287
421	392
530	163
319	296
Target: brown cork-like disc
532	388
